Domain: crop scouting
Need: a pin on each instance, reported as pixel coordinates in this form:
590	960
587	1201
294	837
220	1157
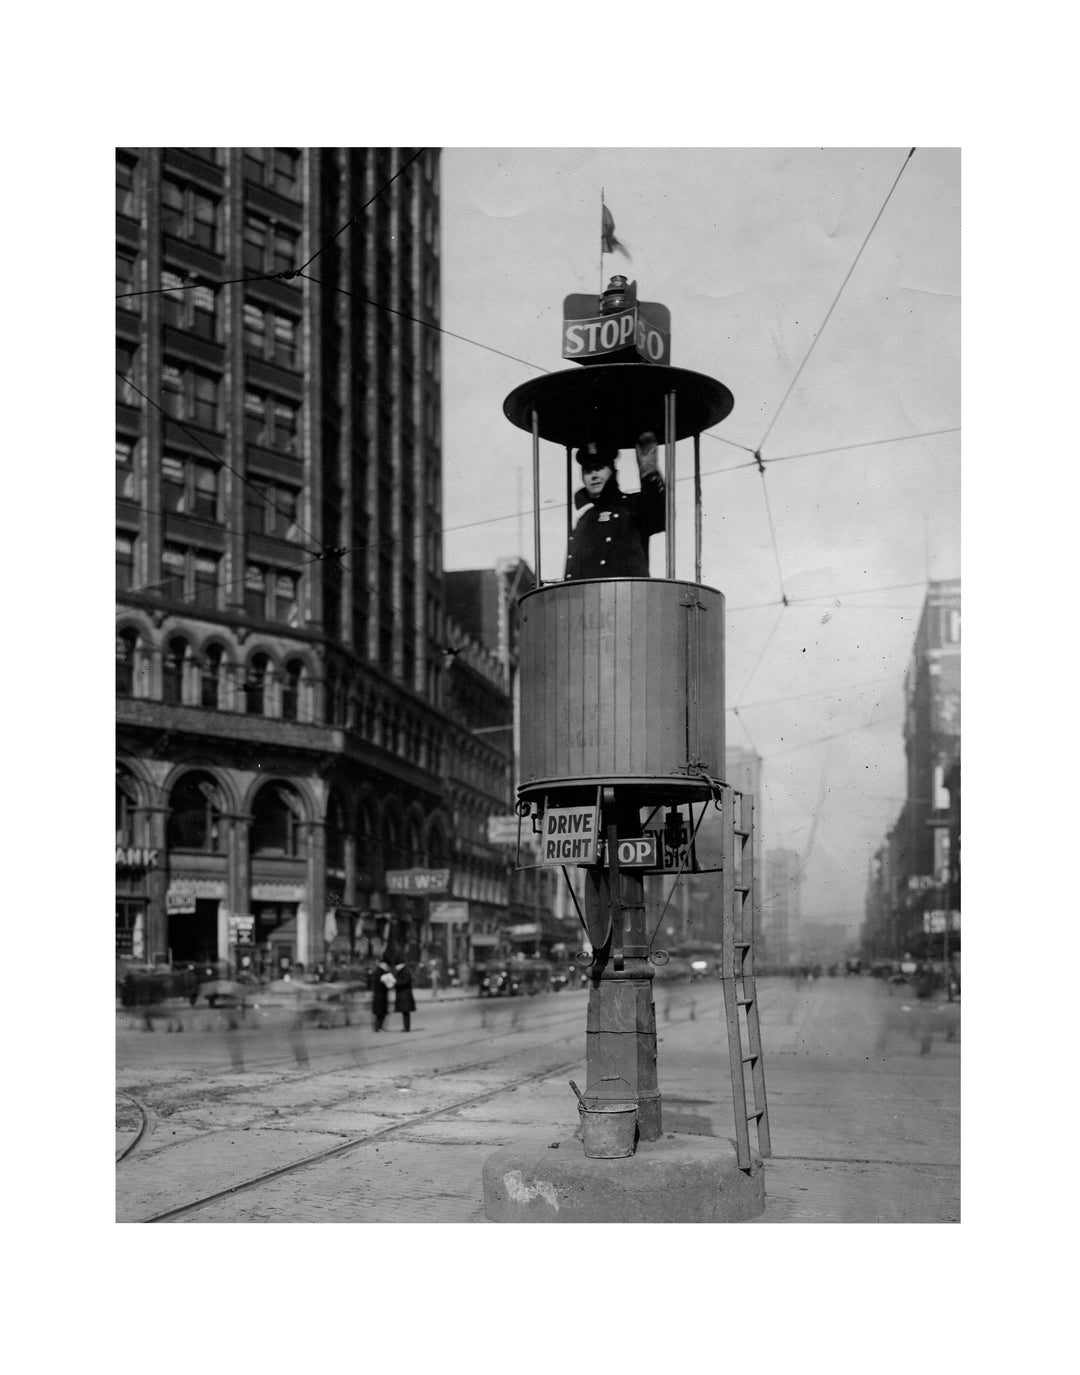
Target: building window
277	168
269	248
125	562
172	673
125	368
127	648
211	680
195	814
189	487
271	596
290	690
190	308
277	814
190	575
254	329
191	394
126	202
271	422
126	810
284	168
271	334
125	469
127	281
255	685
283	340
255	591
270	509
284	609
189	213
206	574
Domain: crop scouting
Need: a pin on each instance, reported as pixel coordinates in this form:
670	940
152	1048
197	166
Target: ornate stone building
282	733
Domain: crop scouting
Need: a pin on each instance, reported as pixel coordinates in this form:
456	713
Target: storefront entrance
193	936
275	937
131	929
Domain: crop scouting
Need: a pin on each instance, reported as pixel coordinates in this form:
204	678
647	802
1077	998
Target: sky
836	266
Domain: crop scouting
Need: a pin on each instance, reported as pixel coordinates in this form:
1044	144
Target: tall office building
281	736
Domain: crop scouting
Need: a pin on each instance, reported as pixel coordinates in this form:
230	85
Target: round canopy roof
613	403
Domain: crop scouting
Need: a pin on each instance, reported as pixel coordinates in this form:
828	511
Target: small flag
608	242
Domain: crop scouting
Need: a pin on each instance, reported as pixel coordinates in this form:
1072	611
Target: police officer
611	539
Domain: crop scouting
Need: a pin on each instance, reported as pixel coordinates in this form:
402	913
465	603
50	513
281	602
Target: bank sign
644	327
568	835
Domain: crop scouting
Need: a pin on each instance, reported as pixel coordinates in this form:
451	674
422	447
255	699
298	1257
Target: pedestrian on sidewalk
404	1002
382	981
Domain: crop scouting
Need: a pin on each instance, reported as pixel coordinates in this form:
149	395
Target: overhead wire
832	307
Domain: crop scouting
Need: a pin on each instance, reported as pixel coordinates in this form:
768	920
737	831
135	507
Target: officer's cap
597	455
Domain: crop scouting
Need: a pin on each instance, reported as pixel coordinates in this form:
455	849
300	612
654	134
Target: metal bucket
608	1132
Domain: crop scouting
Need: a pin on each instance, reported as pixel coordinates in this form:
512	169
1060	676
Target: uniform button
602	562
608	540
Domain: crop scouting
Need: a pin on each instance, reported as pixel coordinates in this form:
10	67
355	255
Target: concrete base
676	1179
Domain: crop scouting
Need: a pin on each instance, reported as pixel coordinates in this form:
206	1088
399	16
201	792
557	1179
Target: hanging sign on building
449	911
568	835
417	880
136	857
241	930
503	830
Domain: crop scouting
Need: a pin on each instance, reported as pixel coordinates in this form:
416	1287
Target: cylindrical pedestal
620	1048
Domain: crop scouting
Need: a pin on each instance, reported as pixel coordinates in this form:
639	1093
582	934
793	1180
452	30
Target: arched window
127	797
195	808
127	645
275	822
414	851
212	674
255	685
172	672
290	690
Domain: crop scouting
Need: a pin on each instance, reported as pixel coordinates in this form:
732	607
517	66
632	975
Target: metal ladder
740	913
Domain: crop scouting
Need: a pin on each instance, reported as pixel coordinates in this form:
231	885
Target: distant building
782	906
913	894
533	919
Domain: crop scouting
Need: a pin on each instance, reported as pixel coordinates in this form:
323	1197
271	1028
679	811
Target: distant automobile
498	983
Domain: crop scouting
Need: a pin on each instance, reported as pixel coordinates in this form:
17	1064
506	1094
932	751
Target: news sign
568	835
417	880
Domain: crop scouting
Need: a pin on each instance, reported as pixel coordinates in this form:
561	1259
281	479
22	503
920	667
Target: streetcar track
354	1143
193	1086
146	1118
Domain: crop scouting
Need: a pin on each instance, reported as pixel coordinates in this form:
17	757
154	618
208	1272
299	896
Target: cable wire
403	168
427	324
828	313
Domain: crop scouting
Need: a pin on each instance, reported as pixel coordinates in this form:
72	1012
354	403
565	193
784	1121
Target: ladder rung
749	1059
742	888
755	1112
744	1002
742	945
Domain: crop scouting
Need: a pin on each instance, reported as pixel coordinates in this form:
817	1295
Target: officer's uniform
611	540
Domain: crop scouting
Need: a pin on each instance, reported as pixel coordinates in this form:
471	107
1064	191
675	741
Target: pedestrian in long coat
611	539
382	981
404	1002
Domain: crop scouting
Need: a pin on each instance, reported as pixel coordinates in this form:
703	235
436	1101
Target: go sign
639	852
